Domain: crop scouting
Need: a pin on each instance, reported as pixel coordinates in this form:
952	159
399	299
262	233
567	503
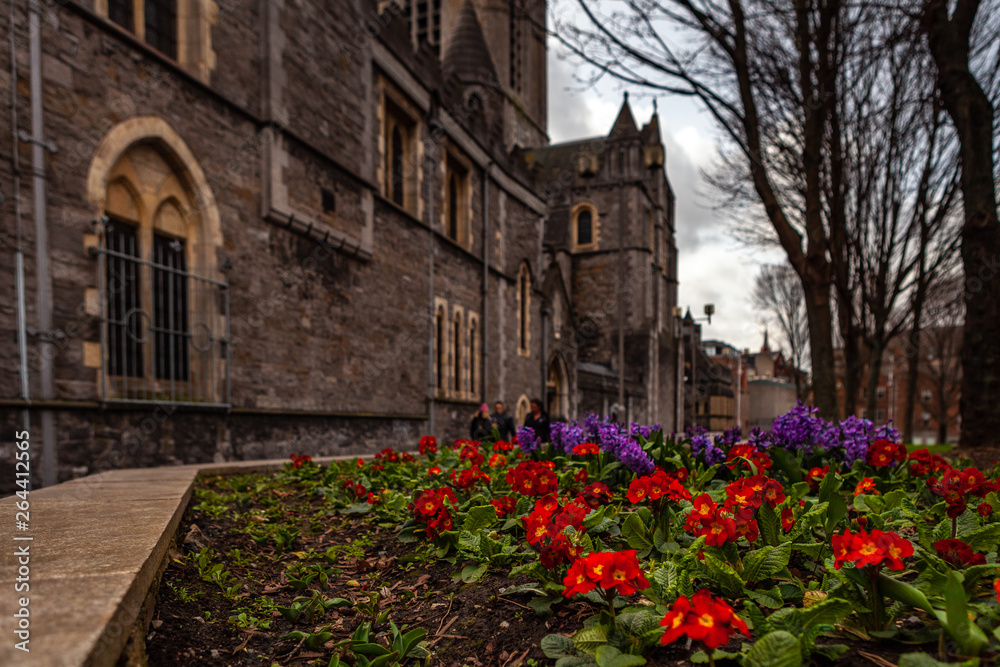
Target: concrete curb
98	548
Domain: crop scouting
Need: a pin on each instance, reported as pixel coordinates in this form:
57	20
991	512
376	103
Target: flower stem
875	596
610	597
954	526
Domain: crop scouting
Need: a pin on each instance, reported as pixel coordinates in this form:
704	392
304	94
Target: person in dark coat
504	423
481	427
538	421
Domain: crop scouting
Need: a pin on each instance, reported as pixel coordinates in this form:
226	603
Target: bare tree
778	295
964	49
767	71
900	187
940	349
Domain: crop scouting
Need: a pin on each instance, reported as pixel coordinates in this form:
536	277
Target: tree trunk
874	375
821	347
912	372
972	113
943	410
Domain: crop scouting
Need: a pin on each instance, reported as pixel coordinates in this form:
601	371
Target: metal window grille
584	228
453	208
123	335
161	26
121	12
164	329
457	356
440	349
397	166
427	14
170	311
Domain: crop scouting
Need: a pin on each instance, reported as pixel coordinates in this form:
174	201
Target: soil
467	624
984	458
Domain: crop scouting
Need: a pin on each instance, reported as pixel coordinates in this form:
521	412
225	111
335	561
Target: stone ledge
99	546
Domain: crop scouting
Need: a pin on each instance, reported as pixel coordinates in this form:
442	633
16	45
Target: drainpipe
623	312
22	334
43	273
484	317
431	342
546	312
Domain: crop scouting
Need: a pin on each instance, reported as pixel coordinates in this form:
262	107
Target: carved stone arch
123	201
557	387
159	134
171	219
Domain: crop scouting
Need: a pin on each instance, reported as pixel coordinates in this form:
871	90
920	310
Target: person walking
504	423
482	426
538	421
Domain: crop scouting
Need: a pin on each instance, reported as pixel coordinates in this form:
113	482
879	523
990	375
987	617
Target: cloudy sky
712	267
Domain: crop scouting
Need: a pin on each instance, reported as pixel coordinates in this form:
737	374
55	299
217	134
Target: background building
772	388
936	417
323	227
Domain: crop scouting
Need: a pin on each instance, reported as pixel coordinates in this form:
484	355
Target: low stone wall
94	552
95	440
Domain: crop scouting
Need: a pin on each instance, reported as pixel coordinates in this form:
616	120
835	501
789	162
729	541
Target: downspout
484	317
621	299
42	271
431	342
22	334
545	354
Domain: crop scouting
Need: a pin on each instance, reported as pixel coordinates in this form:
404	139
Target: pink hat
484	408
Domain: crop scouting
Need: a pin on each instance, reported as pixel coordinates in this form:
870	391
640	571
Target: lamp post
709	310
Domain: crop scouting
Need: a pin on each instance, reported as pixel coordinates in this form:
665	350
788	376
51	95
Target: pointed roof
765	348
625	123
468	56
651	130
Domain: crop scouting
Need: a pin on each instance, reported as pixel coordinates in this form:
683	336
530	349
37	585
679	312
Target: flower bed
614	546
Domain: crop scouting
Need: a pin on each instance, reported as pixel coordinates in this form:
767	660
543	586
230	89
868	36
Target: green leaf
480	517
894	498
635	533
411	639
529	587
825	612
770	524
765	562
767	598
730	581
543	604
469	541
836	511
919	660
385	660
970	639
787	463
370	649
557	646
985	538
595	516
609	656
575	661
778	649
357	508
831	652
811	549
472	573
829	487
590	639
706	477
